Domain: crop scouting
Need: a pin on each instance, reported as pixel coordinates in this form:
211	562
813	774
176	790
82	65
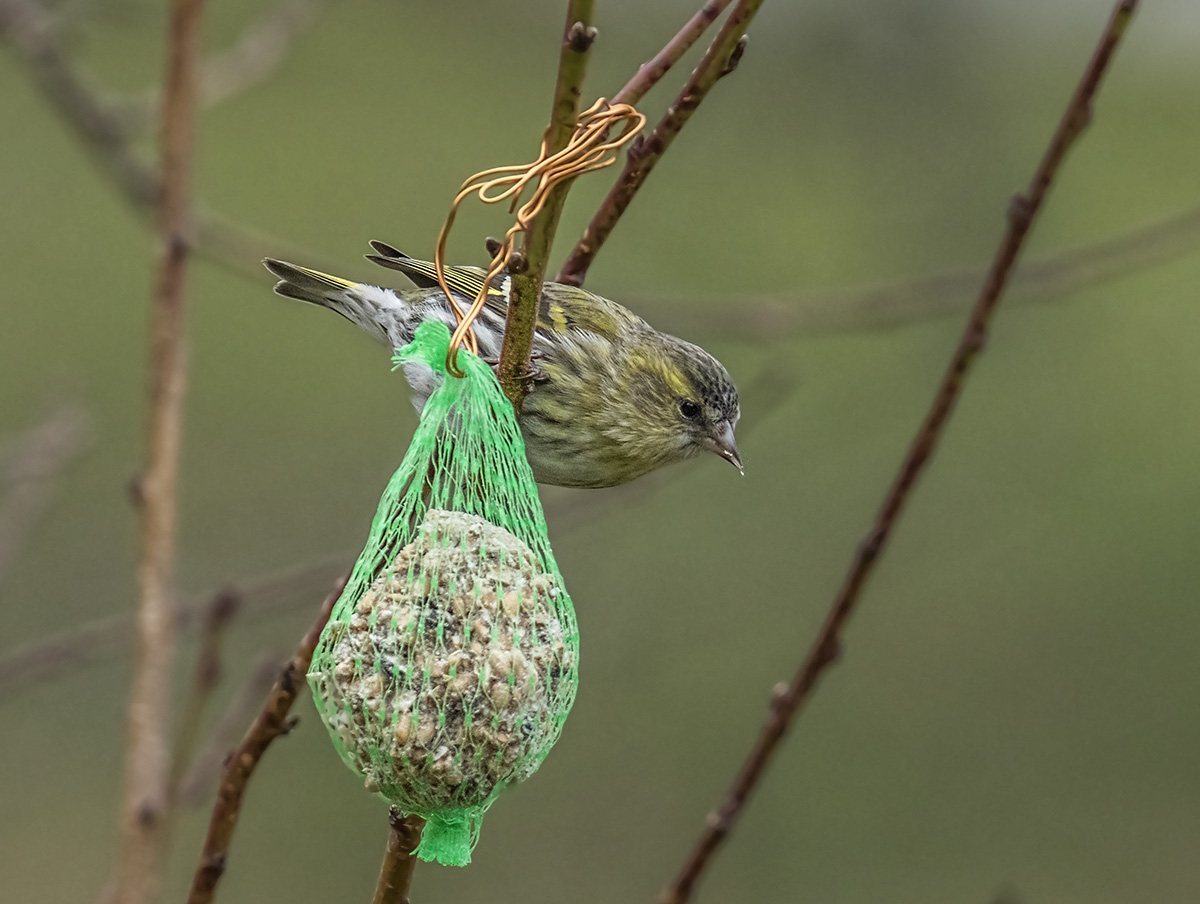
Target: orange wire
588	150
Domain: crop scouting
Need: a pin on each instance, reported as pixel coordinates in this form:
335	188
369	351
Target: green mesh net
450	661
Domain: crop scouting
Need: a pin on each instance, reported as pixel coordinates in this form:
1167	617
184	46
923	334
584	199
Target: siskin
611	399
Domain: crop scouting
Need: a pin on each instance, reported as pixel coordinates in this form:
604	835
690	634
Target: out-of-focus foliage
1016	706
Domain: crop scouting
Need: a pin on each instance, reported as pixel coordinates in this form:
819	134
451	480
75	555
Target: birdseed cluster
444	676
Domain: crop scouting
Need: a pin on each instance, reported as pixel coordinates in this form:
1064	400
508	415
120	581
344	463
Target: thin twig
32	466
827	646
771	318
29	30
526	291
207	673
652	71
399	860
720	59
195	786
256	54
144	800
271	723
58	655
104	130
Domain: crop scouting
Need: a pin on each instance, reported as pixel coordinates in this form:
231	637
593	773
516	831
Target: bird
611	398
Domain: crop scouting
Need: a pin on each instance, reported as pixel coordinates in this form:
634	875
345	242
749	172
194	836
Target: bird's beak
725	445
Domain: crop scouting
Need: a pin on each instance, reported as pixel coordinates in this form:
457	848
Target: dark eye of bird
689	409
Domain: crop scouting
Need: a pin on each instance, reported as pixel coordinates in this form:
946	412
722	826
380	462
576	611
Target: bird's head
681	400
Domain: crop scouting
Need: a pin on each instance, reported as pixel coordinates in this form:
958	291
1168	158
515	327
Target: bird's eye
689	409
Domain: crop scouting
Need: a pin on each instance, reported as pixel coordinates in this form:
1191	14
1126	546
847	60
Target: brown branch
652	71
29	31
207	673
56	656
720	59
911	301
31	468
395	876
271	723
144	800
105	131
526	290
195	785
827	646
257	53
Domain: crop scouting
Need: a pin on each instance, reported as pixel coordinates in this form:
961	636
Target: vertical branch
719	60
144	799
208	672
526	291
399	860
827	646
30	473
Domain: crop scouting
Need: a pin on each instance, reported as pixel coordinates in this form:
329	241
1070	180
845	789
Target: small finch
611	398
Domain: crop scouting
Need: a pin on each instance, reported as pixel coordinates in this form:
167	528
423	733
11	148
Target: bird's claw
533	375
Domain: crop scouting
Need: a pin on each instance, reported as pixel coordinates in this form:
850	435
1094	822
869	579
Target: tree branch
777	317
29	31
720	59
31	468
271	723
195	785
144	800
104	129
827	647
395	876
59	654
257	53
207	673
526	290
651	72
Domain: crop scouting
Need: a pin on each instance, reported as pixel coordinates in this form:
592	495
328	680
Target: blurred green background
1016	710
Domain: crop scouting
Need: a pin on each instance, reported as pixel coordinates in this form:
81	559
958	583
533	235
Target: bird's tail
381	312
305	284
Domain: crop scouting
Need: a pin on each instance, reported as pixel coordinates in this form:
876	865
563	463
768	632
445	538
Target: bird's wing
465	281
562	308
566	308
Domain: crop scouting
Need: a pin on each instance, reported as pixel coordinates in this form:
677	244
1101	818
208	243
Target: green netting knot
450	836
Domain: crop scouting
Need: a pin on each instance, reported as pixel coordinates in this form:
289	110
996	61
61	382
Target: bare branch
29	30
104	129
58	655
195	785
258	52
395	876
651	72
271	723
526	291
911	301
207	674
719	60
827	646
144	802
31	468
